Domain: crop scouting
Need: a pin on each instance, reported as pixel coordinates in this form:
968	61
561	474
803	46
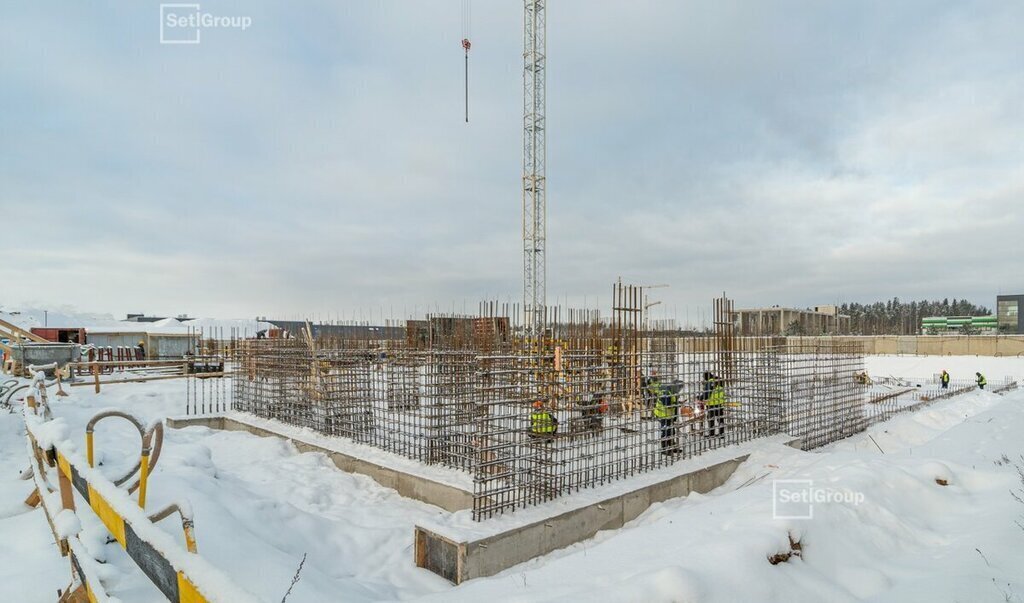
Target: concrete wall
170	346
459	561
925	345
942	345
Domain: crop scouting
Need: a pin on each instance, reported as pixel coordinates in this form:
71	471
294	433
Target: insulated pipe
187	524
13	391
152	442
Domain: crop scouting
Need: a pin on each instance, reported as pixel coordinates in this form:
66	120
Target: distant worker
611	353
944	379
716	408
650	385
140	352
592	414
982	382
543	424
709	380
665	411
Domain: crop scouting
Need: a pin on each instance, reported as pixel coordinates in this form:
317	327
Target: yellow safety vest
717	397
542	422
661	411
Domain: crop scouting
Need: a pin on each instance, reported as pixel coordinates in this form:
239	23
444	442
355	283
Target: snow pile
218	327
66	522
61	317
209	327
927	509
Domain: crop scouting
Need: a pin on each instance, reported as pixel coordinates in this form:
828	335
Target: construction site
621	401
525	450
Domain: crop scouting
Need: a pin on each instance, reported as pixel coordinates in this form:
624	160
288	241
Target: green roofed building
953	324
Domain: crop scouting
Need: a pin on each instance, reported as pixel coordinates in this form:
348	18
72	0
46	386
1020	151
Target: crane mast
534	159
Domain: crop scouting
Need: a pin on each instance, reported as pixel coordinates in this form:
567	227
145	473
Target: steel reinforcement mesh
821	397
612	421
413	403
621	407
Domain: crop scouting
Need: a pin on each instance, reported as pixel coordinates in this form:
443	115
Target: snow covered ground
959	367
260	506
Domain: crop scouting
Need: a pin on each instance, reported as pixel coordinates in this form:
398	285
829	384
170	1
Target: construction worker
592	414
650	385
982	382
708	380
944	379
716	408
665	411
543	424
140	352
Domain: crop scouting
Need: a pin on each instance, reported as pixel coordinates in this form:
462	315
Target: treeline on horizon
895	317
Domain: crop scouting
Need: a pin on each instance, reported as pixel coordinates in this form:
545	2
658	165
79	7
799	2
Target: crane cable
466	22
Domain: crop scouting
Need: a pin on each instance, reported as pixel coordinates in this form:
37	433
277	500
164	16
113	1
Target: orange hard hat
538	404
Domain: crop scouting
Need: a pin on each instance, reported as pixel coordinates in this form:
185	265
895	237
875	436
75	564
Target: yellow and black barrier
172	583
166	564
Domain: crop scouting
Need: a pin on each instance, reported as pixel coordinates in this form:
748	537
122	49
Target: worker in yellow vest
665	411
543	424
715	403
982	382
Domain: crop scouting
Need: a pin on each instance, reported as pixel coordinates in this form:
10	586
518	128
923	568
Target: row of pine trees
895	317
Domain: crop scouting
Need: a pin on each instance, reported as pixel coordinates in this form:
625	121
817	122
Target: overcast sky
791	153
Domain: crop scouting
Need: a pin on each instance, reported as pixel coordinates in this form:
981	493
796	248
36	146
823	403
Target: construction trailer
159	346
61	334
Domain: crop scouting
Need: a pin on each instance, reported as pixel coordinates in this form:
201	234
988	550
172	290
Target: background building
792	321
1008	313
931	325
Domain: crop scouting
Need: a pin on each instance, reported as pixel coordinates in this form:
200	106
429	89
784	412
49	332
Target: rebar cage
532	419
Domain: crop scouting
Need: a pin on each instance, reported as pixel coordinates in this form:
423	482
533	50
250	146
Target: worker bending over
543	424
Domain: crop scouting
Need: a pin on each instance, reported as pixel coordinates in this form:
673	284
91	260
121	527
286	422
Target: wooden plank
104	363
142	379
26	334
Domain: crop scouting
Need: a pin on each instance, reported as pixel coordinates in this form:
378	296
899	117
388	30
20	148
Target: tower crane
534	163
534	159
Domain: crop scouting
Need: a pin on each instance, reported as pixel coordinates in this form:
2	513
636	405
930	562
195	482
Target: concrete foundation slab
486	548
400	476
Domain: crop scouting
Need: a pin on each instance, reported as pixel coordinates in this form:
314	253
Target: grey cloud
791	152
